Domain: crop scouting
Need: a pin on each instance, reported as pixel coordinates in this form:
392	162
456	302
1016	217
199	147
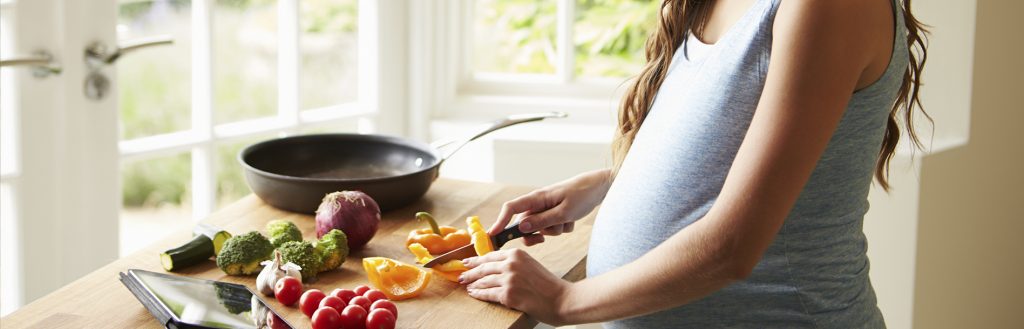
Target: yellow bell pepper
437	240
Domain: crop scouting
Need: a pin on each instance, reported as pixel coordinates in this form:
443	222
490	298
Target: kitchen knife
510	233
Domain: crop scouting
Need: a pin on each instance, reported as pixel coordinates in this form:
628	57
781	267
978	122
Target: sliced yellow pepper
449	271
481	240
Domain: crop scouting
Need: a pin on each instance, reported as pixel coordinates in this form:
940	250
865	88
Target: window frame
202	139
457	92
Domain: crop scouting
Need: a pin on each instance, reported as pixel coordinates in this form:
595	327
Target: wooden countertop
99	300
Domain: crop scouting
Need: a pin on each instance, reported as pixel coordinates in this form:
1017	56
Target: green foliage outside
520	36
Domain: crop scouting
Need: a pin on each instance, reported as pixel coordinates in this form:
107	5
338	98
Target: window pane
155	94
244	59
515	36
609	36
231	184
155	199
328	50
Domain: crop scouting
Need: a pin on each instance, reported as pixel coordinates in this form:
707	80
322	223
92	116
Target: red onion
352	212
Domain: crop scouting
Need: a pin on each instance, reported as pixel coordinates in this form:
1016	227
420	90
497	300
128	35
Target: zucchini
199	249
217	235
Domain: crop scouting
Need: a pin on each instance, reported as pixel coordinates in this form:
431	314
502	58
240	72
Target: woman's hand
552	210
514	279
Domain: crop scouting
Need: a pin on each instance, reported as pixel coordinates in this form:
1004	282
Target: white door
59	177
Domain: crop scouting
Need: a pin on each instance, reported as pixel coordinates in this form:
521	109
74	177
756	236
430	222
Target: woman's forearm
689	265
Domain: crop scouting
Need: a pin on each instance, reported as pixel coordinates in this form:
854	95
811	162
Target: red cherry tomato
345	294
361	301
326	318
333	302
360	290
385	304
374	295
310	301
287	290
275	322
380	319
353	317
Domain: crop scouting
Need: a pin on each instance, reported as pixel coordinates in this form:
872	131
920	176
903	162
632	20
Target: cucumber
199	249
217	235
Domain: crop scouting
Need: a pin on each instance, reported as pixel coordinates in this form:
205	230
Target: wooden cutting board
99	300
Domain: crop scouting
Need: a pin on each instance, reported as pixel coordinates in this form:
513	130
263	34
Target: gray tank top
815	273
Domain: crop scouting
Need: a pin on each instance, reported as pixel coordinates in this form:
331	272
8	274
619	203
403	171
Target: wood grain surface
99	300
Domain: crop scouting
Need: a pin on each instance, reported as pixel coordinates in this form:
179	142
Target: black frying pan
294	173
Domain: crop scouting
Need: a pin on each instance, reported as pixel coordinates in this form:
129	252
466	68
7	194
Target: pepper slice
437	239
395	279
481	240
449	271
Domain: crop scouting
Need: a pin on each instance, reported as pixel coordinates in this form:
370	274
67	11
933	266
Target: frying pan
294	173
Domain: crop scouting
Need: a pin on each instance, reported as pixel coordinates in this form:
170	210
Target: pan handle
456	145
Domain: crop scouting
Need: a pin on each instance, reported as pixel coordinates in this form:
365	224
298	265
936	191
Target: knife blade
498	240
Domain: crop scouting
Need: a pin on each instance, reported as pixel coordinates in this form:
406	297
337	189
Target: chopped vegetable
242	254
437	239
333	248
481	240
197	250
217	235
302	253
395	279
449	271
281	231
206	242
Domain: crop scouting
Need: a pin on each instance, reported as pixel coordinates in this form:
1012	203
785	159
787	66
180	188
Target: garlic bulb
272	271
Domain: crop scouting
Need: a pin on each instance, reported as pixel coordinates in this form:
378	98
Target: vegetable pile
243	254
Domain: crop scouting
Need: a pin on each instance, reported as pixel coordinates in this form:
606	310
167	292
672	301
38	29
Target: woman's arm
817	59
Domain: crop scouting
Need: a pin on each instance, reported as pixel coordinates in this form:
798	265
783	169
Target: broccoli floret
242	254
281	231
333	248
303	254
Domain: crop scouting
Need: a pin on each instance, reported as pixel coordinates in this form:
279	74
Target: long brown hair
678	18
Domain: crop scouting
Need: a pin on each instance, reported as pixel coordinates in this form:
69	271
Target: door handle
98	54
42	63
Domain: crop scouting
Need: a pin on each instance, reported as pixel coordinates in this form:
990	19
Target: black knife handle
508	234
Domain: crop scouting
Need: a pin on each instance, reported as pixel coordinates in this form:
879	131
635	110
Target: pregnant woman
744	153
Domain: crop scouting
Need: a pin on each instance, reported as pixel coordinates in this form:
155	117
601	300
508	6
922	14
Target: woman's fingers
496	294
490	281
568	227
539	221
531	201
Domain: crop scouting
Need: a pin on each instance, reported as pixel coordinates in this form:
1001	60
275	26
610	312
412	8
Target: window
563	42
509	55
574	39
240	71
